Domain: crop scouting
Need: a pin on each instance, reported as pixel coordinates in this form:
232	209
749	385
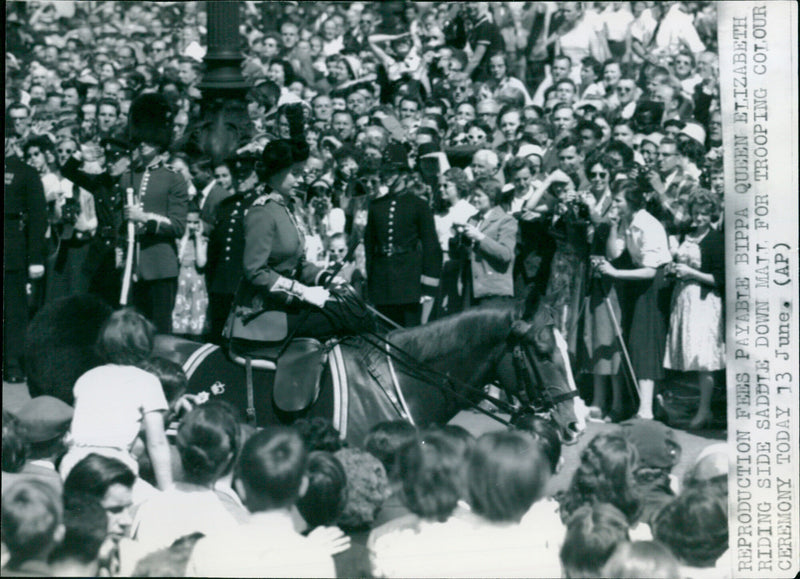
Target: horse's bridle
525	369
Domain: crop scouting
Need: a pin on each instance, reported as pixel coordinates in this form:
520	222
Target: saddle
298	369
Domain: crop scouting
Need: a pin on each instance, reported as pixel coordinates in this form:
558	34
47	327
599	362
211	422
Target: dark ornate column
223	59
225	124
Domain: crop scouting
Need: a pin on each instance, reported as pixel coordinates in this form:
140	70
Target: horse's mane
462	333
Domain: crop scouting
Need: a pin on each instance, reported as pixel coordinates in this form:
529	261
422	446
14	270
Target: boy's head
271	470
86	524
32	521
593	533
337	246
386	439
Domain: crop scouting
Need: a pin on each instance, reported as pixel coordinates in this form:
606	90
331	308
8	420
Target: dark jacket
109	200
24	217
274	256
402	250
226	244
712	258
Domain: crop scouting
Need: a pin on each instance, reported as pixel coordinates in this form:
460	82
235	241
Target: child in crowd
113	402
385	441
593	533
271	477
86	526
191	301
32	527
642	559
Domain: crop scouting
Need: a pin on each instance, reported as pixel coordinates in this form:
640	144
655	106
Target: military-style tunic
226	244
274	250
24	226
24	216
402	250
164	192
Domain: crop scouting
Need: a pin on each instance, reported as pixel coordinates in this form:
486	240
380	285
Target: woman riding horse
282	294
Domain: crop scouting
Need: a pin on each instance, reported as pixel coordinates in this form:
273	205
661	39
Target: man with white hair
485	163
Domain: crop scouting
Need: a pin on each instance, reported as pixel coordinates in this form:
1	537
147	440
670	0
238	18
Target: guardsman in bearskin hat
160	205
404	258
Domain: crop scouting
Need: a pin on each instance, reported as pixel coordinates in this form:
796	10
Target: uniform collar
275	196
153	163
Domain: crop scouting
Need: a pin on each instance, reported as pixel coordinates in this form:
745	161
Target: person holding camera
489	239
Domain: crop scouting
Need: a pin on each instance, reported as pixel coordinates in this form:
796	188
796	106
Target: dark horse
434	370
427	375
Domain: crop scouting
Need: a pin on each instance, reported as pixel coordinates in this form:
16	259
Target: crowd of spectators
571	149
297	501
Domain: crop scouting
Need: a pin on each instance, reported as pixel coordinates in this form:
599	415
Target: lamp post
225	123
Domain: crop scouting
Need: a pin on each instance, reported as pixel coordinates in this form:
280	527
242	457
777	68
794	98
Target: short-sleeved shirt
110	403
486	34
646	241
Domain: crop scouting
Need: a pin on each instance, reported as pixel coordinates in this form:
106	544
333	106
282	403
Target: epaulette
168	167
266	198
261	200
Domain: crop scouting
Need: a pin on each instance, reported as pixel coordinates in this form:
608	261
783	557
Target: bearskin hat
281	154
150	121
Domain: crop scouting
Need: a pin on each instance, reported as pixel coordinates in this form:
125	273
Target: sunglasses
66	151
598	174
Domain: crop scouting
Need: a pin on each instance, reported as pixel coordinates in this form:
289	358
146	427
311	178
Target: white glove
316	295
35	271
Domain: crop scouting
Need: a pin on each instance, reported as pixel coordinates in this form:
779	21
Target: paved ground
15	395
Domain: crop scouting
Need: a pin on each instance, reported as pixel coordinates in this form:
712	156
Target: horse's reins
423	371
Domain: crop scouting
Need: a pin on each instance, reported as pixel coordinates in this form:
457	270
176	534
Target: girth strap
251	404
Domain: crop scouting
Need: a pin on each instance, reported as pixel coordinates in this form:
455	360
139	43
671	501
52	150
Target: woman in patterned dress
695	341
191	301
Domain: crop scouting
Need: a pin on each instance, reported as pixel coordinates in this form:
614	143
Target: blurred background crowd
567	149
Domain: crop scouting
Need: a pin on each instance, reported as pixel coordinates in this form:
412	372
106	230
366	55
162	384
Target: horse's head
524	364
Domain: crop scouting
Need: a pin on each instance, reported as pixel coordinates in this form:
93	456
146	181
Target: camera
461	239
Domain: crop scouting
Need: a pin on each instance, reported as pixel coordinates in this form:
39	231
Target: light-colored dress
189	316
696	327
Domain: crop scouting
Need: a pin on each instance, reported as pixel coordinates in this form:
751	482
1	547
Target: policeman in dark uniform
159	210
404	258
226	243
24	252
105	255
